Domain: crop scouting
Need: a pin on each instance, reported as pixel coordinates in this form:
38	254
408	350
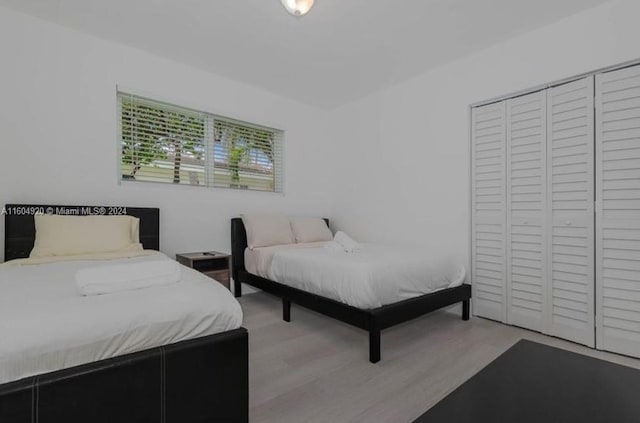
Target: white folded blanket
125	277
347	243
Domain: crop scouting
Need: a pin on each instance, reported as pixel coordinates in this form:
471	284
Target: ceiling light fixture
298	7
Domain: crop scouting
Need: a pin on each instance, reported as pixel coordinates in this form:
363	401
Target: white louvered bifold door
526	198
488	261
618	211
570	219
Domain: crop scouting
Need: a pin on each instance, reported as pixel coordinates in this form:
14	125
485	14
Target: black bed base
200	380
373	321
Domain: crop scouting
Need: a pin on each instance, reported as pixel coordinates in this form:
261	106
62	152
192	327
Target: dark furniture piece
534	383
211	263
372	320
199	380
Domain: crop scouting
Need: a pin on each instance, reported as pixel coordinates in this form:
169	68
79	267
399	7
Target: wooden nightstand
211	263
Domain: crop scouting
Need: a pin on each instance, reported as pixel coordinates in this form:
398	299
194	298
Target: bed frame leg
465	309
286	310
374	346
237	288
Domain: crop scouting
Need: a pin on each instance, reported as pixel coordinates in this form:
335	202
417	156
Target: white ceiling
342	50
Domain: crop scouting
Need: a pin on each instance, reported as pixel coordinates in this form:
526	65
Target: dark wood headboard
239	244
20	231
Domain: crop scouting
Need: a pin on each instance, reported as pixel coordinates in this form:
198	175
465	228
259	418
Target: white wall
58	134
403	176
398	159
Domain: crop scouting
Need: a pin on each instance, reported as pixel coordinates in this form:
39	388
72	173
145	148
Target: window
175	145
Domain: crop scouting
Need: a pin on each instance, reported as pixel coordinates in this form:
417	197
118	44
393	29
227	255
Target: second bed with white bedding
367	279
46	325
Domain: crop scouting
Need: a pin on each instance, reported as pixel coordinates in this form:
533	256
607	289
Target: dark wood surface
203	255
535	383
214	264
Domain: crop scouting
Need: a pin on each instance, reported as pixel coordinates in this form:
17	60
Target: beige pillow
310	229
70	235
135	229
266	230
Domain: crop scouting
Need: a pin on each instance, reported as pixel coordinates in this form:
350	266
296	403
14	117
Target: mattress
258	260
373	277
46	325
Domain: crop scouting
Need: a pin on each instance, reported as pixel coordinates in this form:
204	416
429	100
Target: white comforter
370	278
46	325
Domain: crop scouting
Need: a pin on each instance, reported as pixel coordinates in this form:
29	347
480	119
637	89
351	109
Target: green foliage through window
165	143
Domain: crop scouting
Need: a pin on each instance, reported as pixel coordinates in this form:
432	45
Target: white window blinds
247	156
164	143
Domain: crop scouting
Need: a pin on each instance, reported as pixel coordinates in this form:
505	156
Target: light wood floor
316	369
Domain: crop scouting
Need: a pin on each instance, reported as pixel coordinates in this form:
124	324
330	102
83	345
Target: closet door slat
488	211
526	205
618	212
570	221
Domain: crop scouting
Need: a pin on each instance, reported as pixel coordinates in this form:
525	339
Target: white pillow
310	229
69	235
267	230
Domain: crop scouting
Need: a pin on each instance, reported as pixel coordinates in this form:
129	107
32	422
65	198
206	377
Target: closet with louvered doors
556	210
570	227
488	258
618	211
533	215
526	210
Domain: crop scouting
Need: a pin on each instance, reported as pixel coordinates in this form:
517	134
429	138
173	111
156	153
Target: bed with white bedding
373	287
370	278
47	325
94	328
